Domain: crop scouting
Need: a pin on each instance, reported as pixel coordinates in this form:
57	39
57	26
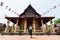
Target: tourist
30	30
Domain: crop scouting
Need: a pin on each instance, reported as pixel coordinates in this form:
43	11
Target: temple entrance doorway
29	22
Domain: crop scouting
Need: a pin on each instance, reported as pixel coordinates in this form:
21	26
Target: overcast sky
19	6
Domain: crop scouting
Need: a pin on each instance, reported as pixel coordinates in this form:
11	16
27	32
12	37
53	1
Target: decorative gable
30	12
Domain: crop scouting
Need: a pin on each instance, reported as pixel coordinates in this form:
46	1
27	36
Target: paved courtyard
27	37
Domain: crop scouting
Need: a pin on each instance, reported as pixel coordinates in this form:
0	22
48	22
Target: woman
30	30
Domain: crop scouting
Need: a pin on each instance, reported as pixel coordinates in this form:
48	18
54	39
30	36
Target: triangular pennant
16	13
12	10
6	7
1	4
5	15
54	7
45	12
9	9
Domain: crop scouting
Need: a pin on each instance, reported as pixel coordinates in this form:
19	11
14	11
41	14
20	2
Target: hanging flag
16	13
6	7
9	9
46	12
54	7
5	15
12	10
1	4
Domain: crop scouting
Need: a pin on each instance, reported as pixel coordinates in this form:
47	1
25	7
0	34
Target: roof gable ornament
30	12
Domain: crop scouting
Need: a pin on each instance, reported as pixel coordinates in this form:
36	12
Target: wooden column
7	26
42	25
13	28
25	25
52	27
45	27
16	27
34	25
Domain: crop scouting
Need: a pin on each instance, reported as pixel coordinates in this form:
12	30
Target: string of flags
9	9
49	10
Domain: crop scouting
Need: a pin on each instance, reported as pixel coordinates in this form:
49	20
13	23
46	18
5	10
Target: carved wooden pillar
45	27
16	27
25	25
7	26
13	28
52	27
34	30
42	25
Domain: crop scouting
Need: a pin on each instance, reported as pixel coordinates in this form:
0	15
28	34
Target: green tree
57	21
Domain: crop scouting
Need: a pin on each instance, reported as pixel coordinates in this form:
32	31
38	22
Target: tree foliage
57	21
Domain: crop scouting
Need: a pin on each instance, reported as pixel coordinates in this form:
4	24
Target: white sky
39	5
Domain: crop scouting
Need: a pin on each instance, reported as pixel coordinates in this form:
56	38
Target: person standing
30	31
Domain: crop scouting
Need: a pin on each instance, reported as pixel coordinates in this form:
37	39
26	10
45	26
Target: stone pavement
27	37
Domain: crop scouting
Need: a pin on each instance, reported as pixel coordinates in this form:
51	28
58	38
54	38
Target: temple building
27	18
